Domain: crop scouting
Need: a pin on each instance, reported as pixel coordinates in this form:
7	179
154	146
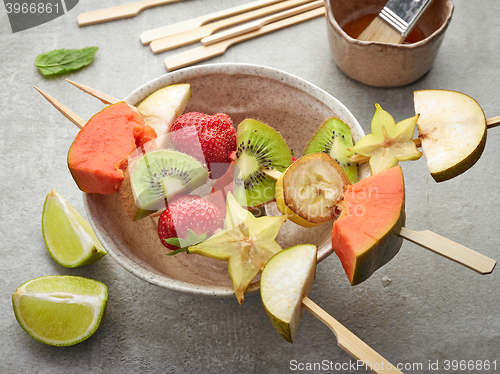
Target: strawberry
188	220
216	136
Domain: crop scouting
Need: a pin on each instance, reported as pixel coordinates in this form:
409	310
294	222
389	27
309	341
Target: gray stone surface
431	310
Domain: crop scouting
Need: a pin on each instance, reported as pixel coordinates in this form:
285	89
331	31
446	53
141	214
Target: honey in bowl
356	26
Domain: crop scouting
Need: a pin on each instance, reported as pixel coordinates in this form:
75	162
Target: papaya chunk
100	151
366	235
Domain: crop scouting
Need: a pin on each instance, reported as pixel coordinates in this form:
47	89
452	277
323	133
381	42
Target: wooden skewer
451	250
118	12
77	121
493	122
255	25
350	342
205	52
436	243
193	23
193	36
105	98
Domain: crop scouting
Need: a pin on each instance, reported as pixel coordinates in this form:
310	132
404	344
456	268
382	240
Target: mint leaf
62	61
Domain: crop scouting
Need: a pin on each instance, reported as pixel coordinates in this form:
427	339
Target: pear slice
285	281
389	142
452	128
162	107
310	189
246	243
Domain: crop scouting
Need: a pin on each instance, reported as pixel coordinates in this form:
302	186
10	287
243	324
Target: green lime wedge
60	310
69	238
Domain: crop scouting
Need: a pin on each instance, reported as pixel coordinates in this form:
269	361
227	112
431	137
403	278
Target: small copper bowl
384	64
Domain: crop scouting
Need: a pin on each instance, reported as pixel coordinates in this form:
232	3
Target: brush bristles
379	31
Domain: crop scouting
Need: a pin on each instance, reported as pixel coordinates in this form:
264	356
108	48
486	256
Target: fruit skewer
427	239
107	99
286	279
360	159
286	282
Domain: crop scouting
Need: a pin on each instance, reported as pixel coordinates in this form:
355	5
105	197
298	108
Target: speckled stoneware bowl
291	105
383	64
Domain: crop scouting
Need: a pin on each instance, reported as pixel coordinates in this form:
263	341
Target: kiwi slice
162	174
259	147
334	138
128	201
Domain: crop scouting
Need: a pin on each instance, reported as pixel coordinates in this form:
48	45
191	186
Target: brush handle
451	250
380	31
118	12
351	343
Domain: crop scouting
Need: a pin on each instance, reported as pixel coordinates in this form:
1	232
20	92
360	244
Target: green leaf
192	239
173	241
185	249
62	61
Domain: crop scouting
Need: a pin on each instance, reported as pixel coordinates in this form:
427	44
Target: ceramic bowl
384	64
291	105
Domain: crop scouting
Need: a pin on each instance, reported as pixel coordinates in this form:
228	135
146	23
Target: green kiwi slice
334	137
259	147
128	201
159	175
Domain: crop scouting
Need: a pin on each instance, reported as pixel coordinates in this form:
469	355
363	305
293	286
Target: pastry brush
395	21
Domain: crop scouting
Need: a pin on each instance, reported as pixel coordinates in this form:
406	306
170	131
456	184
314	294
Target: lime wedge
68	237
60	310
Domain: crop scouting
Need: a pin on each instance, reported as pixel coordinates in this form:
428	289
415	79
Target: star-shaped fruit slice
246	243
389	142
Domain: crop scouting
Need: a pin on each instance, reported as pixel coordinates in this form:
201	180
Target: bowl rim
177	77
334	23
